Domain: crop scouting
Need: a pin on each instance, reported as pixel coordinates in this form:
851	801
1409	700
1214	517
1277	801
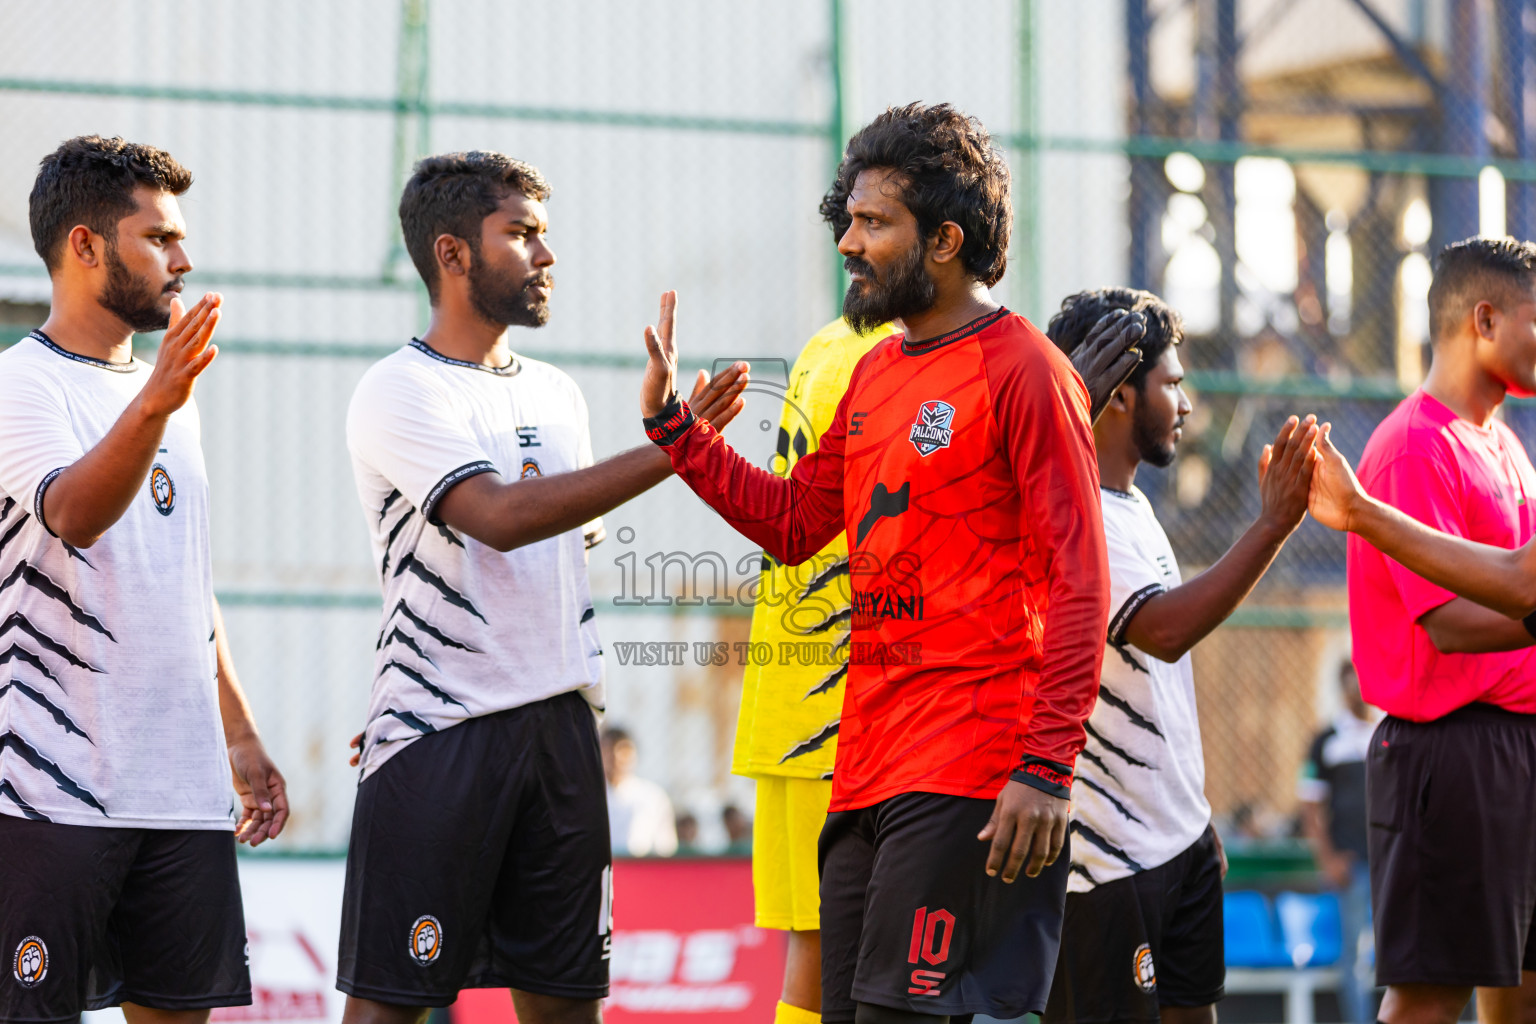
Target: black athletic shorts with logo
480	859
1135	944
1453	847
93	917
910	919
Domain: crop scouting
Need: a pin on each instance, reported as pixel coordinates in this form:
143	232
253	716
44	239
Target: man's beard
500	303
904	289
1151	449
133	300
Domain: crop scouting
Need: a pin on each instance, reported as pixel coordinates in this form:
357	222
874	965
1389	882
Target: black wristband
671	423
1530	623
1051	777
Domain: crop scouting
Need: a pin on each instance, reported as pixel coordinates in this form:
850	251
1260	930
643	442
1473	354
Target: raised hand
719	400
1108	356
1285	473
185	352
659	384
1335	491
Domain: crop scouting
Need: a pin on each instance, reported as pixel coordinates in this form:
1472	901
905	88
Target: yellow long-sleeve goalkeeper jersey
792	692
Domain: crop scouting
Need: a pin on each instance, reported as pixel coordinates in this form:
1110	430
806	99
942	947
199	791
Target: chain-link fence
1280	170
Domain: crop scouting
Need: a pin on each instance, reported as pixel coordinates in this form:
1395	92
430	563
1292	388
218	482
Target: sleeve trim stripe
37	501
1046	775
667	426
1122	618
429	507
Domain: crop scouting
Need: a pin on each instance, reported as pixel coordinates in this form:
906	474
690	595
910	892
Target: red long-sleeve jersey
962	470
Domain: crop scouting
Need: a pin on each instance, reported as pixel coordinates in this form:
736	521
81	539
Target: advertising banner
684	948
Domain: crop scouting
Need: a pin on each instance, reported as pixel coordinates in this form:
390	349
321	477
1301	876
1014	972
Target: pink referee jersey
1461	479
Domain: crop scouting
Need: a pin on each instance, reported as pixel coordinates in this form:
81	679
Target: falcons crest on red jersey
931	431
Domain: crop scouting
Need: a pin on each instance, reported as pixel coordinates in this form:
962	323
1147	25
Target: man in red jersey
961	464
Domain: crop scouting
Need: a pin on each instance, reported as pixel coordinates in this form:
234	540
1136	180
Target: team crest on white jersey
162	489
531	469
30	965
1145	970
931	431
426	939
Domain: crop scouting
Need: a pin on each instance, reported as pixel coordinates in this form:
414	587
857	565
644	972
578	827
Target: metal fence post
413	118
1517	40
838	129
1463	112
1027	184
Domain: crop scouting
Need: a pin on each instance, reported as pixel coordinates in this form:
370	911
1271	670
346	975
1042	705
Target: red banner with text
684	948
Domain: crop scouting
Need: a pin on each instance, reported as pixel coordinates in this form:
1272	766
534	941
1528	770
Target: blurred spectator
1332	791
1245	823
639	811
687	834
738	828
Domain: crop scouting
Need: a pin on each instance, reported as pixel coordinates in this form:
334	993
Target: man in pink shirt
1452	769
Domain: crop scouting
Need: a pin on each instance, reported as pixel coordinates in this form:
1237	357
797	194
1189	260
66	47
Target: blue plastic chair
1310	927
1252	934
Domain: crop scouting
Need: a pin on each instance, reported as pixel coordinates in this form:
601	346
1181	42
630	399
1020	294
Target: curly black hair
90	180
949	171
452	194
1477	270
1069	328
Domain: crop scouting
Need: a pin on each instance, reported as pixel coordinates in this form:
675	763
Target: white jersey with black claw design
468	630
109	710
1139	797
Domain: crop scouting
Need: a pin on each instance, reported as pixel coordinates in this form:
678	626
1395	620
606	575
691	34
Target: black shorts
480	859
93	917
1135	944
910	919
1453	847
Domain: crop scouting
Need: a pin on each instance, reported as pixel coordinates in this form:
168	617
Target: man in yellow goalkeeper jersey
786	736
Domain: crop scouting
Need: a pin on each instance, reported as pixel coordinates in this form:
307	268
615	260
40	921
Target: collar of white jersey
512	369
131	366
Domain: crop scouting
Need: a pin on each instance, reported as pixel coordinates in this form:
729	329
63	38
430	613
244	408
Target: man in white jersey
120	712
1142	934
480	855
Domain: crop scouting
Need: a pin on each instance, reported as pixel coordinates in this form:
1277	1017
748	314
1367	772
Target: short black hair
1477	270
616	734
949	171
90	180
451	194
1069	328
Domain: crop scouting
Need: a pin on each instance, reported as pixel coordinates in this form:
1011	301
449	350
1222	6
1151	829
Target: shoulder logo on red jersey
931	431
